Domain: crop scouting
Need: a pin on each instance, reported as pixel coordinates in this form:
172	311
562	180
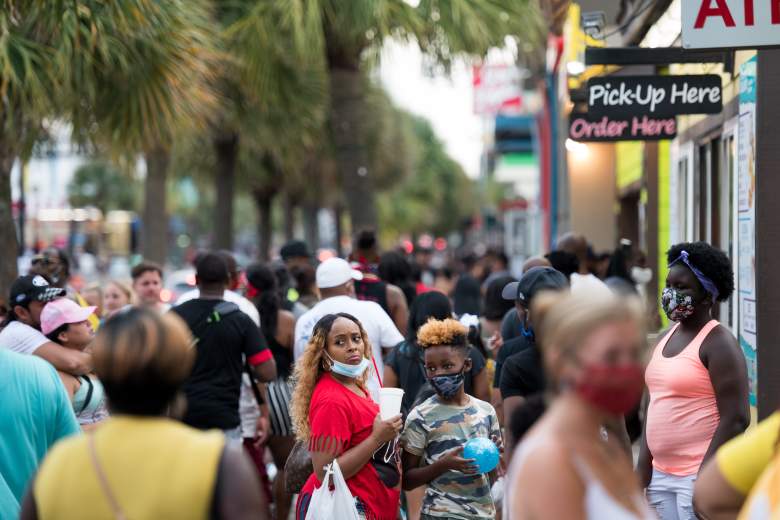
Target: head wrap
705	281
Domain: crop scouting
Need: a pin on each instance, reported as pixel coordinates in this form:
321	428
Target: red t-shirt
338	416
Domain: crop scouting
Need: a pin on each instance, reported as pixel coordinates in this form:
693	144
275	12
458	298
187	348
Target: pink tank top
683	414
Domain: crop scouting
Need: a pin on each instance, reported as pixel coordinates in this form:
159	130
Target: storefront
717	180
702	188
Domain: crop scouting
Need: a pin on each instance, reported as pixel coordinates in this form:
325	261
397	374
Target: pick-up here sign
654	96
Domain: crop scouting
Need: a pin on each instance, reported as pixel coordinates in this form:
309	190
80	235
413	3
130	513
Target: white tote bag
337	504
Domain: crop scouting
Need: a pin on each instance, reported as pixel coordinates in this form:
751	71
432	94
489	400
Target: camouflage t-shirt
434	428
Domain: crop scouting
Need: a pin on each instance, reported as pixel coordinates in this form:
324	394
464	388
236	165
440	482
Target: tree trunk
8	240
155	216
289	216
338	214
226	148
314	197
264	226
348	118
22	208
311	230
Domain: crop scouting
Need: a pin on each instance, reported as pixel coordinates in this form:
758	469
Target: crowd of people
238	400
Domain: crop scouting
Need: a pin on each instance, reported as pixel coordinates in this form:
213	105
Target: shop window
717	205
707	199
727	213
681	201
703	199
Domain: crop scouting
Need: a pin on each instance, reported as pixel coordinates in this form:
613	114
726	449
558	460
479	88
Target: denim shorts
671	496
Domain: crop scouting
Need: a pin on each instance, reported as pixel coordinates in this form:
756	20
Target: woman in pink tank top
696	378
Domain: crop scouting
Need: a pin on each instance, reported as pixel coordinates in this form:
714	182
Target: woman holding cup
334	415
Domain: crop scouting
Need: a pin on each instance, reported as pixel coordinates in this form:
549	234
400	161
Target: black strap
215	315
90	390
226	308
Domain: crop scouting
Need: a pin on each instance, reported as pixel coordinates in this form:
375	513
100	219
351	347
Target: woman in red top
333	413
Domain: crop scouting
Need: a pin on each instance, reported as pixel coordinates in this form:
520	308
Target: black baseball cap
33	287
533	281
294	249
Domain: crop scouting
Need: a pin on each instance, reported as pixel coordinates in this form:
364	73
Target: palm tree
275	96
113	70
281	48
281	156
142	104
437	199
25	81
444	30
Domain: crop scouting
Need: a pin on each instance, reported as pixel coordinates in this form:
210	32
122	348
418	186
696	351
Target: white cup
390	402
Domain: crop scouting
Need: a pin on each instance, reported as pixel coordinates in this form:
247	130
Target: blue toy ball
484	453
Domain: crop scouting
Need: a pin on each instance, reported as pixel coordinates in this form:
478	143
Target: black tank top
372	289
282	356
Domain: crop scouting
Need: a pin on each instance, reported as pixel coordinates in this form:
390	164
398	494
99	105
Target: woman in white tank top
568	466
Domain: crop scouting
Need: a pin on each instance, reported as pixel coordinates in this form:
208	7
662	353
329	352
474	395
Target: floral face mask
676	305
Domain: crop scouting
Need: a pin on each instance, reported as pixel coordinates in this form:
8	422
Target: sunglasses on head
46	260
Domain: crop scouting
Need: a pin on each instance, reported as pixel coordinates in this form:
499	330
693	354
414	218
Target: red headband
251	290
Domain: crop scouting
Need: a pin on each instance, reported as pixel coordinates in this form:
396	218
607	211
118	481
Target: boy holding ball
438	428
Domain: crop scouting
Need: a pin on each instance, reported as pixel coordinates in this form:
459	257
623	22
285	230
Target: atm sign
730	23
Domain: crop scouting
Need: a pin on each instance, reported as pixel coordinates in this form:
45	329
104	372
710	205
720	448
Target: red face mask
615	389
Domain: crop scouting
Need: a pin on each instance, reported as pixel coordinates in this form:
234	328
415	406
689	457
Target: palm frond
128	72
464	28
277	82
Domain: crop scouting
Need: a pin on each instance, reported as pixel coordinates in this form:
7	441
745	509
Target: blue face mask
447	385
351	371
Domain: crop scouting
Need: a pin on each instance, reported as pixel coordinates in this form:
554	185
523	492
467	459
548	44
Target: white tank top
599	504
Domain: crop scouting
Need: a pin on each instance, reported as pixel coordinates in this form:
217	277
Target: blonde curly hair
310	367
446	332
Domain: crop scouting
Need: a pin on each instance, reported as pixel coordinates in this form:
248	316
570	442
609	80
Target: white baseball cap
334	272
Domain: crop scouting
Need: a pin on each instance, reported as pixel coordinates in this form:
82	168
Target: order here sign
585	128
730	23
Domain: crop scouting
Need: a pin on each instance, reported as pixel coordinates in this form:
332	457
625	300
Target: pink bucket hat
57	313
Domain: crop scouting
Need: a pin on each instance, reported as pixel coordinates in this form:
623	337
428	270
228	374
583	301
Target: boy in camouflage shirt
437	429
